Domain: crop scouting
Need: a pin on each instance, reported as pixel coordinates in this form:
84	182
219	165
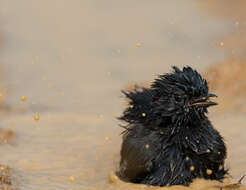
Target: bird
168	138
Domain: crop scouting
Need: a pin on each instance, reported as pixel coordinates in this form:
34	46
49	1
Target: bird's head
182	94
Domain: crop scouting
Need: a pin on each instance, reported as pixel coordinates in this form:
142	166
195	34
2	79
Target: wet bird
168	138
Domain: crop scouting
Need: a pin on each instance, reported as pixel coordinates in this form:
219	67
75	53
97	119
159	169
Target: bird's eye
178	99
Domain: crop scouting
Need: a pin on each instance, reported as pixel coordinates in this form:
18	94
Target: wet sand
71	59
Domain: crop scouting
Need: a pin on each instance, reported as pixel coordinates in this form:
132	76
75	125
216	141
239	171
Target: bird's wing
208	142
137	157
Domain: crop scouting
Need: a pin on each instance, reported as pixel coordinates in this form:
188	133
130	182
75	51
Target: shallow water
71	59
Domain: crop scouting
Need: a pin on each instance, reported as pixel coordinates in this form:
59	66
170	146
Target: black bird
168	139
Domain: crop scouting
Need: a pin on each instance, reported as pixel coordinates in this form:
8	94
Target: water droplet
106	139
192	168
112	177
71	179
138	45
36	117
209	172
23	98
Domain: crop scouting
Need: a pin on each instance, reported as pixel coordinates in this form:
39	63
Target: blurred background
63	65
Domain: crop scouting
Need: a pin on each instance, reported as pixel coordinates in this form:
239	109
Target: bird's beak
204	101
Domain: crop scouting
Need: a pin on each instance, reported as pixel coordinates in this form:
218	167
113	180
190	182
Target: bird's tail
139	107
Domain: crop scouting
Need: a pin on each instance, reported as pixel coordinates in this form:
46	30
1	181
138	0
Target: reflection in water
71	59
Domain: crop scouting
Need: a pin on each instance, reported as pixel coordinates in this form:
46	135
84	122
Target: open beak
204	101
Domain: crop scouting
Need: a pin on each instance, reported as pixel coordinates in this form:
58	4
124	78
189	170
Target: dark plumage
168	138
